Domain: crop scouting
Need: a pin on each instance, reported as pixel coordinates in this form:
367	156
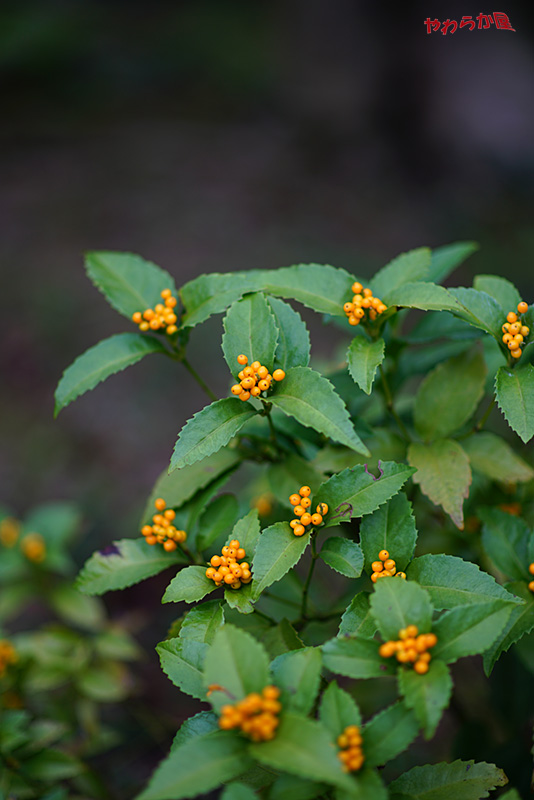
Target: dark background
216	136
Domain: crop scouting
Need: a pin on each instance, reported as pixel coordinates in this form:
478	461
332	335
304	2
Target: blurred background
213	136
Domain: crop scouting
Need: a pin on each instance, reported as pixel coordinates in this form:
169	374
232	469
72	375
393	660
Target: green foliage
99	362
514	390
364	357
463	780
444	474
405	406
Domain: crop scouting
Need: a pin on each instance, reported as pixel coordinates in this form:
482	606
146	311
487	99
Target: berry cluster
302	503
256	715
8	655
514	332
531	570
9	531
162	531
350	749
363	301
254	379
161	316
385	567
411	648
225	569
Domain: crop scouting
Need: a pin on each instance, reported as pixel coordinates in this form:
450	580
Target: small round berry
171	329
248	383
217	577
357	287
170	302
367	293
304	491
255	365
507	338
234	543
232	553
146	530
294	523
279	375
387	649
431	639
401	575
531	568
518	338
210	572
255	391
516	353
412	631
389	563
383	555
306	518
244	565
375	576
386	573
515	327
294	499
262	372
229	578
165	293
354	320
215	561
381	308
242	359
137	317
530	585
322	508
316	519
377	566
299	511
151	539
263	385
421	667
169	514
522	307
160	503
224	570
148	314
348	308
169	545
244	396
224	551
511	317
144	326
155	324
525	330
298	530
236	388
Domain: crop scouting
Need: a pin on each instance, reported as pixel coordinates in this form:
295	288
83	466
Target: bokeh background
213	135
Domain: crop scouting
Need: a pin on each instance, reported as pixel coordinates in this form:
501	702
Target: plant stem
201	382
484	419
264	616
390	406
304	605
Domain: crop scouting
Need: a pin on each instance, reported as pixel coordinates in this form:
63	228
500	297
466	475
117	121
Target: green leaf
505	539
503	291
422	295
277	551
122	564
357	619
428	695
479	310
289	787
364	357
198	766
444	474
189	586
182	660
367	786
293	348
450	581
316	286
405	268
449	395
356	658
179	486
209	430
57	522
78	609
395	604
445	259
343	555
247	532
355	492
241	599
238	663
492	456
311	400
202	622
249	328
520	622
298	675
281	638
127	281
461	780
52	765
391	527
287	475
99	362
217	518
302	747
201	723
514	389
468	630
238	791
388	733
338	710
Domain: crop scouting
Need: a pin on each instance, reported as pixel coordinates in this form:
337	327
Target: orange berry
151	540
299	511
357	287
524	330
294	523
160	503
389	563
255	365
383	555
507	338
353	320
137	317
515	327
242	359
146	530
255	391
316	519
298	530
522	307
401	575
240	553
367	293
381	308
515	353
244	396
306	518
421	667
215	561
279	375
511	317
169	545
144	326
322	508
305	502
387	649
377	566
236	388
431	639
304	491
530	585
375	576
170	302
263	385
412	631
531	568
